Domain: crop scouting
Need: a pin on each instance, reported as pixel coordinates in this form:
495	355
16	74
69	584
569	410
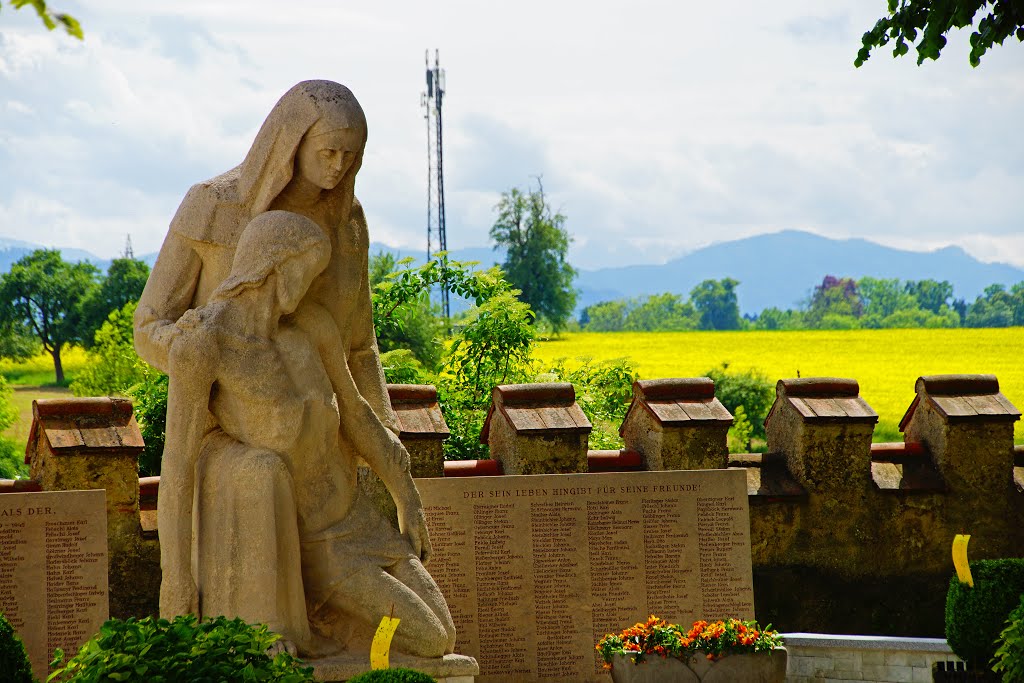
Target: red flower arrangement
714	640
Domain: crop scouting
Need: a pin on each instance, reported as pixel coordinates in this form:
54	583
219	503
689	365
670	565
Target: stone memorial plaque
536	569
53	570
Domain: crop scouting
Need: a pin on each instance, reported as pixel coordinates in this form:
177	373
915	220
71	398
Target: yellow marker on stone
963	569
382	642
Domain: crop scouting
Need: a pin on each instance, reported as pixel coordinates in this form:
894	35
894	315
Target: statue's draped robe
257	576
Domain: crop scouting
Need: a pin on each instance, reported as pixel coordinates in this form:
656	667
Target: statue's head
317	129
286	244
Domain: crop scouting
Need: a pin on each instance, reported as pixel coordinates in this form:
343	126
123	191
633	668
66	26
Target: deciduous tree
536	244
122	285
931	20
43	293
715	301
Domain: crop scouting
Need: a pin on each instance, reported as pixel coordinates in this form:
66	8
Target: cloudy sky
658	127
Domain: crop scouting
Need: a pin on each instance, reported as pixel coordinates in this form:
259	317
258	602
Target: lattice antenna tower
431	101
128	251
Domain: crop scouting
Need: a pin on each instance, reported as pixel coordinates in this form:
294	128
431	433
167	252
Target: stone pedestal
94	443
537	429
823	427
677	424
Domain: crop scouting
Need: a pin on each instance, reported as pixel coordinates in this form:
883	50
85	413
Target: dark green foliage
716	303
149	397
43	294
997	307
976	616
14	664
392	676
750	388
933	19
51	19
123	284
656	313
536	246
158	651
604	390
1009	659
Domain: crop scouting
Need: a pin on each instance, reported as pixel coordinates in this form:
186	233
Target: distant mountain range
778	269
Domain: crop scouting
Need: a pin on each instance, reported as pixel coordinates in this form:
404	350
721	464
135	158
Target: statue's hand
178	595
413	526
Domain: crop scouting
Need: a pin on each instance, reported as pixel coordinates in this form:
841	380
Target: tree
835	304
930	295
51	19
44	293
536	245
933	19
415	324
715	301
126	277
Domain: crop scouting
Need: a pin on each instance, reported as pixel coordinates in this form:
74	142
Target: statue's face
324	158
294	277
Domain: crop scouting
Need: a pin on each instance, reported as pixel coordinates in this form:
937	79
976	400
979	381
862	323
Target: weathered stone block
537	429
677	424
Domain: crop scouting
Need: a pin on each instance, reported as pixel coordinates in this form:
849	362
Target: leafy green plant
14	664
1009	658
149	397
393	676
159	651
604	390
740	432
748	388
113	366
12	465
976	615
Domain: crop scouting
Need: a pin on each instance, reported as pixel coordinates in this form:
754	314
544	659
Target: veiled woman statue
258	308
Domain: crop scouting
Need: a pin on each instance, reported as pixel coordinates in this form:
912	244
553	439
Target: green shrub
1009	659
748	388
976	616
159	651
149	397
14	665
392	676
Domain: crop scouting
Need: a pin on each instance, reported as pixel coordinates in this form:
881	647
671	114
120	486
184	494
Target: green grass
886	363
38	371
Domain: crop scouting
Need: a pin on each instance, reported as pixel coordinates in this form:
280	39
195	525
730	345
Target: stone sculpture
258	308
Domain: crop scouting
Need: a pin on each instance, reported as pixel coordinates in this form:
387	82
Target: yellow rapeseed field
885	362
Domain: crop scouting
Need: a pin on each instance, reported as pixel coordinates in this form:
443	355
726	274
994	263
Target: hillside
781	269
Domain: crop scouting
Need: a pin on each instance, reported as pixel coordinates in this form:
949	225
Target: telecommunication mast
431	100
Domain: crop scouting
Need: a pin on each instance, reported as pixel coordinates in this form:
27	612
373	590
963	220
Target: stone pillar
967	426
823	427
677	424
94	443
537	429
422	428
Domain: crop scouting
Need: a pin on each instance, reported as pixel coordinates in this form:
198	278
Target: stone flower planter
763	667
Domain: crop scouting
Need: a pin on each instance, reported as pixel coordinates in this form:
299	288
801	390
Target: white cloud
657	128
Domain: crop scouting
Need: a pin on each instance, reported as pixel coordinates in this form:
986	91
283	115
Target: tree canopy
50	19
43	294
716	302
931	20
536	244
123	284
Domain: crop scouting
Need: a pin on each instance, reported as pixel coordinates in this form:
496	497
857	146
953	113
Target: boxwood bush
14	665
976	616
159	651
392	676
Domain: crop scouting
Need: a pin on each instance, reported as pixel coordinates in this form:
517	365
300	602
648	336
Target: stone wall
815	657
846	537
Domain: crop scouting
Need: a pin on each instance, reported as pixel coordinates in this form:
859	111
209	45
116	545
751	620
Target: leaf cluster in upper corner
51	19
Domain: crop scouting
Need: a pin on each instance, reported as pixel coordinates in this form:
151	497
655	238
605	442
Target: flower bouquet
729	650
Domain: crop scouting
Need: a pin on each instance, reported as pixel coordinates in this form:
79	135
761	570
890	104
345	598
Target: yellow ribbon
963	569
382	642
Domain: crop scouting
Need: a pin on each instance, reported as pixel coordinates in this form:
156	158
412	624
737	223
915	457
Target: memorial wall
53	570
536	569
